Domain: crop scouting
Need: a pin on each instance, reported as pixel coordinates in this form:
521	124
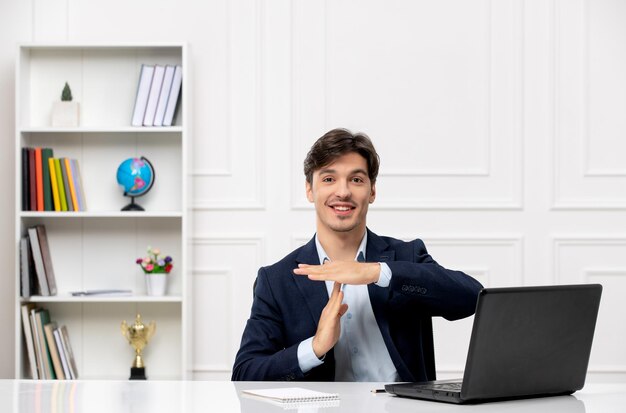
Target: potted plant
65	113
156	270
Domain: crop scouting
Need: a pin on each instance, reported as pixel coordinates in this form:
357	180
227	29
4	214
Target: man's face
342	192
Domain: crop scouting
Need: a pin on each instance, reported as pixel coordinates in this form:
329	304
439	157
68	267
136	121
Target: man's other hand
329	327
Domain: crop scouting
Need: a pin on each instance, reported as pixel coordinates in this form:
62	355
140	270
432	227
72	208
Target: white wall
500	126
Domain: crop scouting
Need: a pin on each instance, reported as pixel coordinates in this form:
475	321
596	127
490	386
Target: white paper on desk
292	395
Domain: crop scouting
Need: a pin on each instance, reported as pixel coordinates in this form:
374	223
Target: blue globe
136	176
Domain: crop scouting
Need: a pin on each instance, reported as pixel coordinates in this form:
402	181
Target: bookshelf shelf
128	129
96	248
103	214
69	299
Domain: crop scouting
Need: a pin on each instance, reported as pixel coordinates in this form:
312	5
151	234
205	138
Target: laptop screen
531	341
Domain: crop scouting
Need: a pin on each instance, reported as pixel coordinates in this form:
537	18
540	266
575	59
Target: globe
136	176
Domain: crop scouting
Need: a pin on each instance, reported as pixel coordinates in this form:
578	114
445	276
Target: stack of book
158	95
37	274
50	184
48	346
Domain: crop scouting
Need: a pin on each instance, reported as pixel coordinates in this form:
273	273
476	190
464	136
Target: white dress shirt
360	353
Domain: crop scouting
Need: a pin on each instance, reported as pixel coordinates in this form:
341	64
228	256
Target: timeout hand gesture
343	272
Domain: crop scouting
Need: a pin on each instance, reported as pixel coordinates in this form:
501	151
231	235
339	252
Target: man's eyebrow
327	171
333	171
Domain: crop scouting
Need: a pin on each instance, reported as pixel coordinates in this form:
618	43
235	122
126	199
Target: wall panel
499	124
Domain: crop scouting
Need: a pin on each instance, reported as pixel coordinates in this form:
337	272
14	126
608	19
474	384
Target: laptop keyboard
442	386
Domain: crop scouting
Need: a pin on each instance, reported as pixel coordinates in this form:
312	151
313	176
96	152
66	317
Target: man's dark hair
336	143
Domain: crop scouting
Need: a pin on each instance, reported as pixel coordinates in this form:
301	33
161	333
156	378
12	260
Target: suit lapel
378	251
314	292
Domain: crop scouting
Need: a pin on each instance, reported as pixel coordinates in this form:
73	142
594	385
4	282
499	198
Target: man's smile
342	209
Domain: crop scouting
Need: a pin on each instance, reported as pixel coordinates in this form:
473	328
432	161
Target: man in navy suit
349	305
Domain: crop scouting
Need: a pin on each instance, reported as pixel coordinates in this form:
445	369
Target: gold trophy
138	336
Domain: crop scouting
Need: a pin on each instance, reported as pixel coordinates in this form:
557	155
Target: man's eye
327	179
358	180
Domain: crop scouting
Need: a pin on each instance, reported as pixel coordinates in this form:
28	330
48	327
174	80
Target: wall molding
320	122
258	188
586	172
580	240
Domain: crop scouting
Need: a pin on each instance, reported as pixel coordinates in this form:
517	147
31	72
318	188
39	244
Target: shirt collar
322	254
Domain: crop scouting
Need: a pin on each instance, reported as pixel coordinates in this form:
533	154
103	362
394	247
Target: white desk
224	397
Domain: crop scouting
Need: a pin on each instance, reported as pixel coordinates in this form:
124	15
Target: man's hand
329	327
344	272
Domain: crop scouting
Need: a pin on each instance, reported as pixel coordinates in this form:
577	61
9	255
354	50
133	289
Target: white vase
156	284
65	114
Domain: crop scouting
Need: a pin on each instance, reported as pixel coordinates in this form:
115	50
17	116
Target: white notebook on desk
292	395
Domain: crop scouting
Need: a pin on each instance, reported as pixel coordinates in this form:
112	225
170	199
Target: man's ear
373	194
309	191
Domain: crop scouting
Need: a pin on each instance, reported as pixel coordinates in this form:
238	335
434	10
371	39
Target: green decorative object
66	95
65	114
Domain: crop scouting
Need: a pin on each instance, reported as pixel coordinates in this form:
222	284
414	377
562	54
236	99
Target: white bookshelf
97	248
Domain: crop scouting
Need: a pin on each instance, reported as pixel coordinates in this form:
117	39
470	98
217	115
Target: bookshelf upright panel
96	248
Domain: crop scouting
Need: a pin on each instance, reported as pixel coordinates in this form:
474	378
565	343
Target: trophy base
137	373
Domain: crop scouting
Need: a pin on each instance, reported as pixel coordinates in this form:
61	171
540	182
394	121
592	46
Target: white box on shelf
65	114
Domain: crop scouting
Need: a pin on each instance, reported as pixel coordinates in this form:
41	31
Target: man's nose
343	190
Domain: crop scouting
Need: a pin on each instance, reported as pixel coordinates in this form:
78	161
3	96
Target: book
46	153
26	283
60	184
54	352
66	185
44	246
25	181
67	347
39	179
38	260
292	395
153	97
70	180
78	184
42	318
37	343
28	339
173	98
32	179
64	362
53	183
168	77
100	293
143	90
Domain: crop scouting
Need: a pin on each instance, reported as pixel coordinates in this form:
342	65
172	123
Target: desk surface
204	396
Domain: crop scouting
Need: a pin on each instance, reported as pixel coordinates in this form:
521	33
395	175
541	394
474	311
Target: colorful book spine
53	182
46	153
25	183
66	184
70	180
32	179
60	184
78	185
39	179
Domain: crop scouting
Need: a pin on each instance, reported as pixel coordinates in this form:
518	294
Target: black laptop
526	342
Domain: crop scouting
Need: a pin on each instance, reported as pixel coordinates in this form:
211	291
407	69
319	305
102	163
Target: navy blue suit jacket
287	307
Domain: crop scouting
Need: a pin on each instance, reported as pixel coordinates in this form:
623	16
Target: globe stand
133	206
132	189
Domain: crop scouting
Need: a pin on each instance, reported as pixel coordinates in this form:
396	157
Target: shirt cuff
306	356
385	275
